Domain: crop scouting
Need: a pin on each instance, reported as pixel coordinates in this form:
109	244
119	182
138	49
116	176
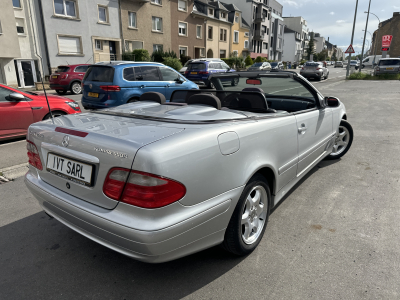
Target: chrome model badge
90	86
65	141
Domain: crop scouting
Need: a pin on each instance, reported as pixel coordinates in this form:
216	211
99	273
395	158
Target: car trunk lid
96	143
96	82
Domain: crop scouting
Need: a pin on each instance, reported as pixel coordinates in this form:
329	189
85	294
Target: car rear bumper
311	75
100	104
386	72
202	227
54	86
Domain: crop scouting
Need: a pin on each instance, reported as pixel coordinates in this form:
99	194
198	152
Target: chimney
396	14
328	39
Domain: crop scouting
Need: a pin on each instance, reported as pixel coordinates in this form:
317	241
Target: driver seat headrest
153	96
206	99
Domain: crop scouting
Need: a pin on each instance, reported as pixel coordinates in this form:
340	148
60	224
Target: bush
174	63
136	55
259	59
248	61
159	55
303	61
365	76
185	59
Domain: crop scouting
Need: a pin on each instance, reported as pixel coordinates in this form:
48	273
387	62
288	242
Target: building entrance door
26	73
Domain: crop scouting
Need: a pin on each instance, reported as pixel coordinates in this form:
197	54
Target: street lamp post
352	38
376	39
365	33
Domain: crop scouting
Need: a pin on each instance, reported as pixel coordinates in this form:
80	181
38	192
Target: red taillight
110	88
142	189
302	68
71	131
203	72
64	76
377	69
33	155
318	69
186	72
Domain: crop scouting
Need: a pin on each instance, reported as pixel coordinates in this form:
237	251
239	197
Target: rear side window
61	69
81	69
101	74
129	74
215	66
389	62
197	67
147	73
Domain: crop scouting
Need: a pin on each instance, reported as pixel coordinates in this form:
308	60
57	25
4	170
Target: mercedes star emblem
65	141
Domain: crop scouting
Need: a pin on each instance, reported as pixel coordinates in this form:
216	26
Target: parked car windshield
312	64
197	66
389	62
101	74
274	64
257	65
62	69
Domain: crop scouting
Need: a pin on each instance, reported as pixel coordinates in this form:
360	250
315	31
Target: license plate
69	169
193	73
54	76
96	95
389	68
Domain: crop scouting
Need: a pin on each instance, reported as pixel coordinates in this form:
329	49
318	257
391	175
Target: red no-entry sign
386	41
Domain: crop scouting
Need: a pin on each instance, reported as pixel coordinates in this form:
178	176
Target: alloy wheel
76	88
341	141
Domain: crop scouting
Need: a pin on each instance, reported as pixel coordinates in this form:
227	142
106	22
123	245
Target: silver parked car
157	181
388	66
263	66
339	64
314	70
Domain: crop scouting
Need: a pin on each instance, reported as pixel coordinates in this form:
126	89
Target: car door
15	116
314	133
173	81
149	80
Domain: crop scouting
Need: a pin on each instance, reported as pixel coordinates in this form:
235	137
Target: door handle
142	86
168	85
302	129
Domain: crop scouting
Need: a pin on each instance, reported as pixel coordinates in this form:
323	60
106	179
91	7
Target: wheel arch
269	174
344	117
54	111
73	81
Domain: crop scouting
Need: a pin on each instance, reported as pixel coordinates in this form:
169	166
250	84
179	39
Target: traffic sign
385	49
350	49
386	41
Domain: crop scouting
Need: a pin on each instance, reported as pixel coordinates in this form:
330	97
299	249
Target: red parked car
20	109
68	77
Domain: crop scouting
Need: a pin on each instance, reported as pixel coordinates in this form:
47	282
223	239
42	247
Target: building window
222	53
20	26
246	44
222	35
235	53
182	5
236	37
132	19
202	52
182	51
132	45
157	24
17	3
69	45
223	15
236	19
159	2
103	14
211	12
279	43
65	8
182	28
157	47
210	33
280	29
265	46
198	31
246	34
98	44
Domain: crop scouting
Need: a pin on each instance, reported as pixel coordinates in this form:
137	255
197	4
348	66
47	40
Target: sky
334	18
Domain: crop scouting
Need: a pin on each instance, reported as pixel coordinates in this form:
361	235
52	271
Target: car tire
76	88
61	92
250	217
343	140
55	115
327	75
132	100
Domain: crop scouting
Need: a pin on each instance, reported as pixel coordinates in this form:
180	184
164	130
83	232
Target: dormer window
223	15
211	12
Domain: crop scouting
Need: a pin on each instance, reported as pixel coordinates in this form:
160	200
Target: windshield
257	65
101	74
187	63
272	87
61	69
274	64
354	62
389	62
312	64
197	66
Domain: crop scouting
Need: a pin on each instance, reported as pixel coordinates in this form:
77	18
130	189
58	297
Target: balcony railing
259	34
260	18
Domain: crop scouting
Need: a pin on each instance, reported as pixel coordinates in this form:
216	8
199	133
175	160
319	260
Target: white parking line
7	144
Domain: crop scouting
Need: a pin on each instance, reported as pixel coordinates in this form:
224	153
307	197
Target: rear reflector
110	88
33	156
203	72
142	189
71	132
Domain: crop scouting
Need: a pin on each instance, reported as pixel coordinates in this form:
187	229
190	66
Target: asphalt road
335	236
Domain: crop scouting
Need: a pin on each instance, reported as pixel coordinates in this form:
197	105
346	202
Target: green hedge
174	63
136	55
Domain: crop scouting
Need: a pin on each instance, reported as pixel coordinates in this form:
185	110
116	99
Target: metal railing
260	17
259	34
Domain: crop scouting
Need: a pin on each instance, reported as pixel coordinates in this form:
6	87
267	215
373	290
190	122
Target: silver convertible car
157	180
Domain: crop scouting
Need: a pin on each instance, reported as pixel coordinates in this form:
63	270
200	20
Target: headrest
206	99
253	89
153	96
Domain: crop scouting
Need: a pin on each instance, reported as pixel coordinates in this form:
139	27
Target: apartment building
146	24
19	52
188	33
299	25
78	31
240	31
319	42
388	27
277	30
292	49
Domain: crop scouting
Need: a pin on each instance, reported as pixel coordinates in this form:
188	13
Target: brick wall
389	27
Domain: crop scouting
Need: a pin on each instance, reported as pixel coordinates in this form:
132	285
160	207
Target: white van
367	62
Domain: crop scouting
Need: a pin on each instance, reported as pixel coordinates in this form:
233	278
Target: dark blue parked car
199	70
117	83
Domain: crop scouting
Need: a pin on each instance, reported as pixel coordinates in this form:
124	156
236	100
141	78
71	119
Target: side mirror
332	101
16	97
179	80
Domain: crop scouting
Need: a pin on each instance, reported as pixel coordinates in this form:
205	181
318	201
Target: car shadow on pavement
40	258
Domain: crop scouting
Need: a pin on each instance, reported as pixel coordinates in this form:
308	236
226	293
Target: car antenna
47	100
89	59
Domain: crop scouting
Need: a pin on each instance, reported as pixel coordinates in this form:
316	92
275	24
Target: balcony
259	34
260	18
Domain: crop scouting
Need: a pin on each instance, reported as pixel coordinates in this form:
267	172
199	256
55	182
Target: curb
11	173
